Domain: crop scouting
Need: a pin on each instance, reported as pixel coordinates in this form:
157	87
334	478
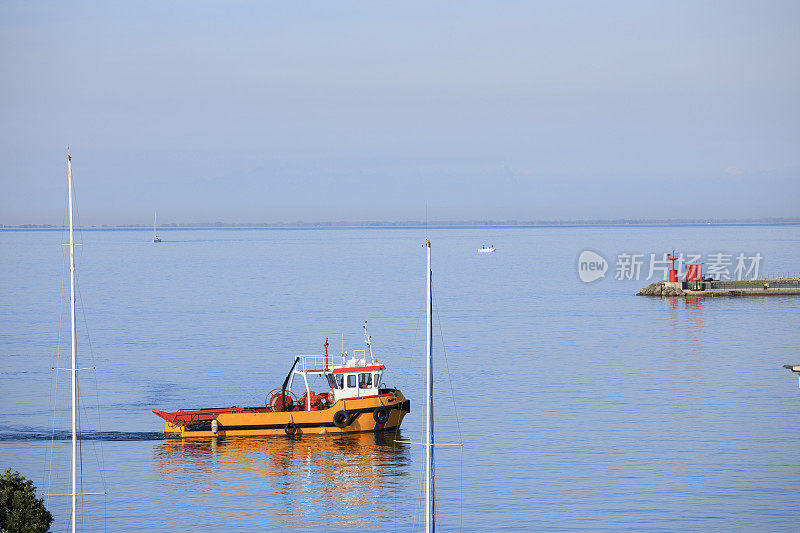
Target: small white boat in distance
484	250
156	238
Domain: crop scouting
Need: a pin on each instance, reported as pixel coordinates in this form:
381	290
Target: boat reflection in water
295	482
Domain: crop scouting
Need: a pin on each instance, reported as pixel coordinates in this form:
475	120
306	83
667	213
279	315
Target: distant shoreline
420	224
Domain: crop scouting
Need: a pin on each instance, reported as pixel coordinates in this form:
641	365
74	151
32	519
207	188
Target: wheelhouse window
351	380
364	381
332	381
377	380
340	381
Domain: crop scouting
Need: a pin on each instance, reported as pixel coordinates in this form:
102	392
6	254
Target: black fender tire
290	428
380	414
341	419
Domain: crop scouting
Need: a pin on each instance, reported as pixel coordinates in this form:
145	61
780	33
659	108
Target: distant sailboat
156	238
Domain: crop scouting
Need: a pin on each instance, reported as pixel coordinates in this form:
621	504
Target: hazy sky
267	112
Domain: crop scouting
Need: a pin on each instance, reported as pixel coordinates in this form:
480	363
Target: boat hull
363	414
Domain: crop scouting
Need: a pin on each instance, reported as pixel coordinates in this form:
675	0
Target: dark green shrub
20	509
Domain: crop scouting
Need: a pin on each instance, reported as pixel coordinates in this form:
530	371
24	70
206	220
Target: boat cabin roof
315	364
350	369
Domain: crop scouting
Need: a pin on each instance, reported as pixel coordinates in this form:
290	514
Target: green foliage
20	510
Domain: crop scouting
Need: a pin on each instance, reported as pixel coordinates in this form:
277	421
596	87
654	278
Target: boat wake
45	435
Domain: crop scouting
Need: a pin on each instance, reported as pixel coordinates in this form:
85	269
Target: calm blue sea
580	406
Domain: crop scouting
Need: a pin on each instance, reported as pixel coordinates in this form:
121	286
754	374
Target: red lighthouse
673	272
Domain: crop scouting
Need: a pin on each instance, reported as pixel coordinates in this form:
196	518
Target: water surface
581	406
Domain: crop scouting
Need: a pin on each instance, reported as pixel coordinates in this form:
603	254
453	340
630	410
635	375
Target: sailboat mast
73	368
430	496
155	219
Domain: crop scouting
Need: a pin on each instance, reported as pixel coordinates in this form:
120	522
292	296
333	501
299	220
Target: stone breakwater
755	287
659	289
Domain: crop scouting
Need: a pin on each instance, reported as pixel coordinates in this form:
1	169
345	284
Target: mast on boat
430	495
74	367
155	232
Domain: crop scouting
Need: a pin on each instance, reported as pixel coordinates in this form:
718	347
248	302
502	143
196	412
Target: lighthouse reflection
686	332
332	481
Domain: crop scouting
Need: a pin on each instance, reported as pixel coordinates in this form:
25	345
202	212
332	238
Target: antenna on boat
368	340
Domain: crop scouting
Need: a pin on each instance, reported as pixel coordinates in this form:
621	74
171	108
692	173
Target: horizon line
441	223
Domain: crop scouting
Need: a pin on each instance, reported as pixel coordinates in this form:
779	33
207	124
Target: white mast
155	227
73	369
430	496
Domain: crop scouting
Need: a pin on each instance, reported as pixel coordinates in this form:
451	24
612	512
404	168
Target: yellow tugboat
355	402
